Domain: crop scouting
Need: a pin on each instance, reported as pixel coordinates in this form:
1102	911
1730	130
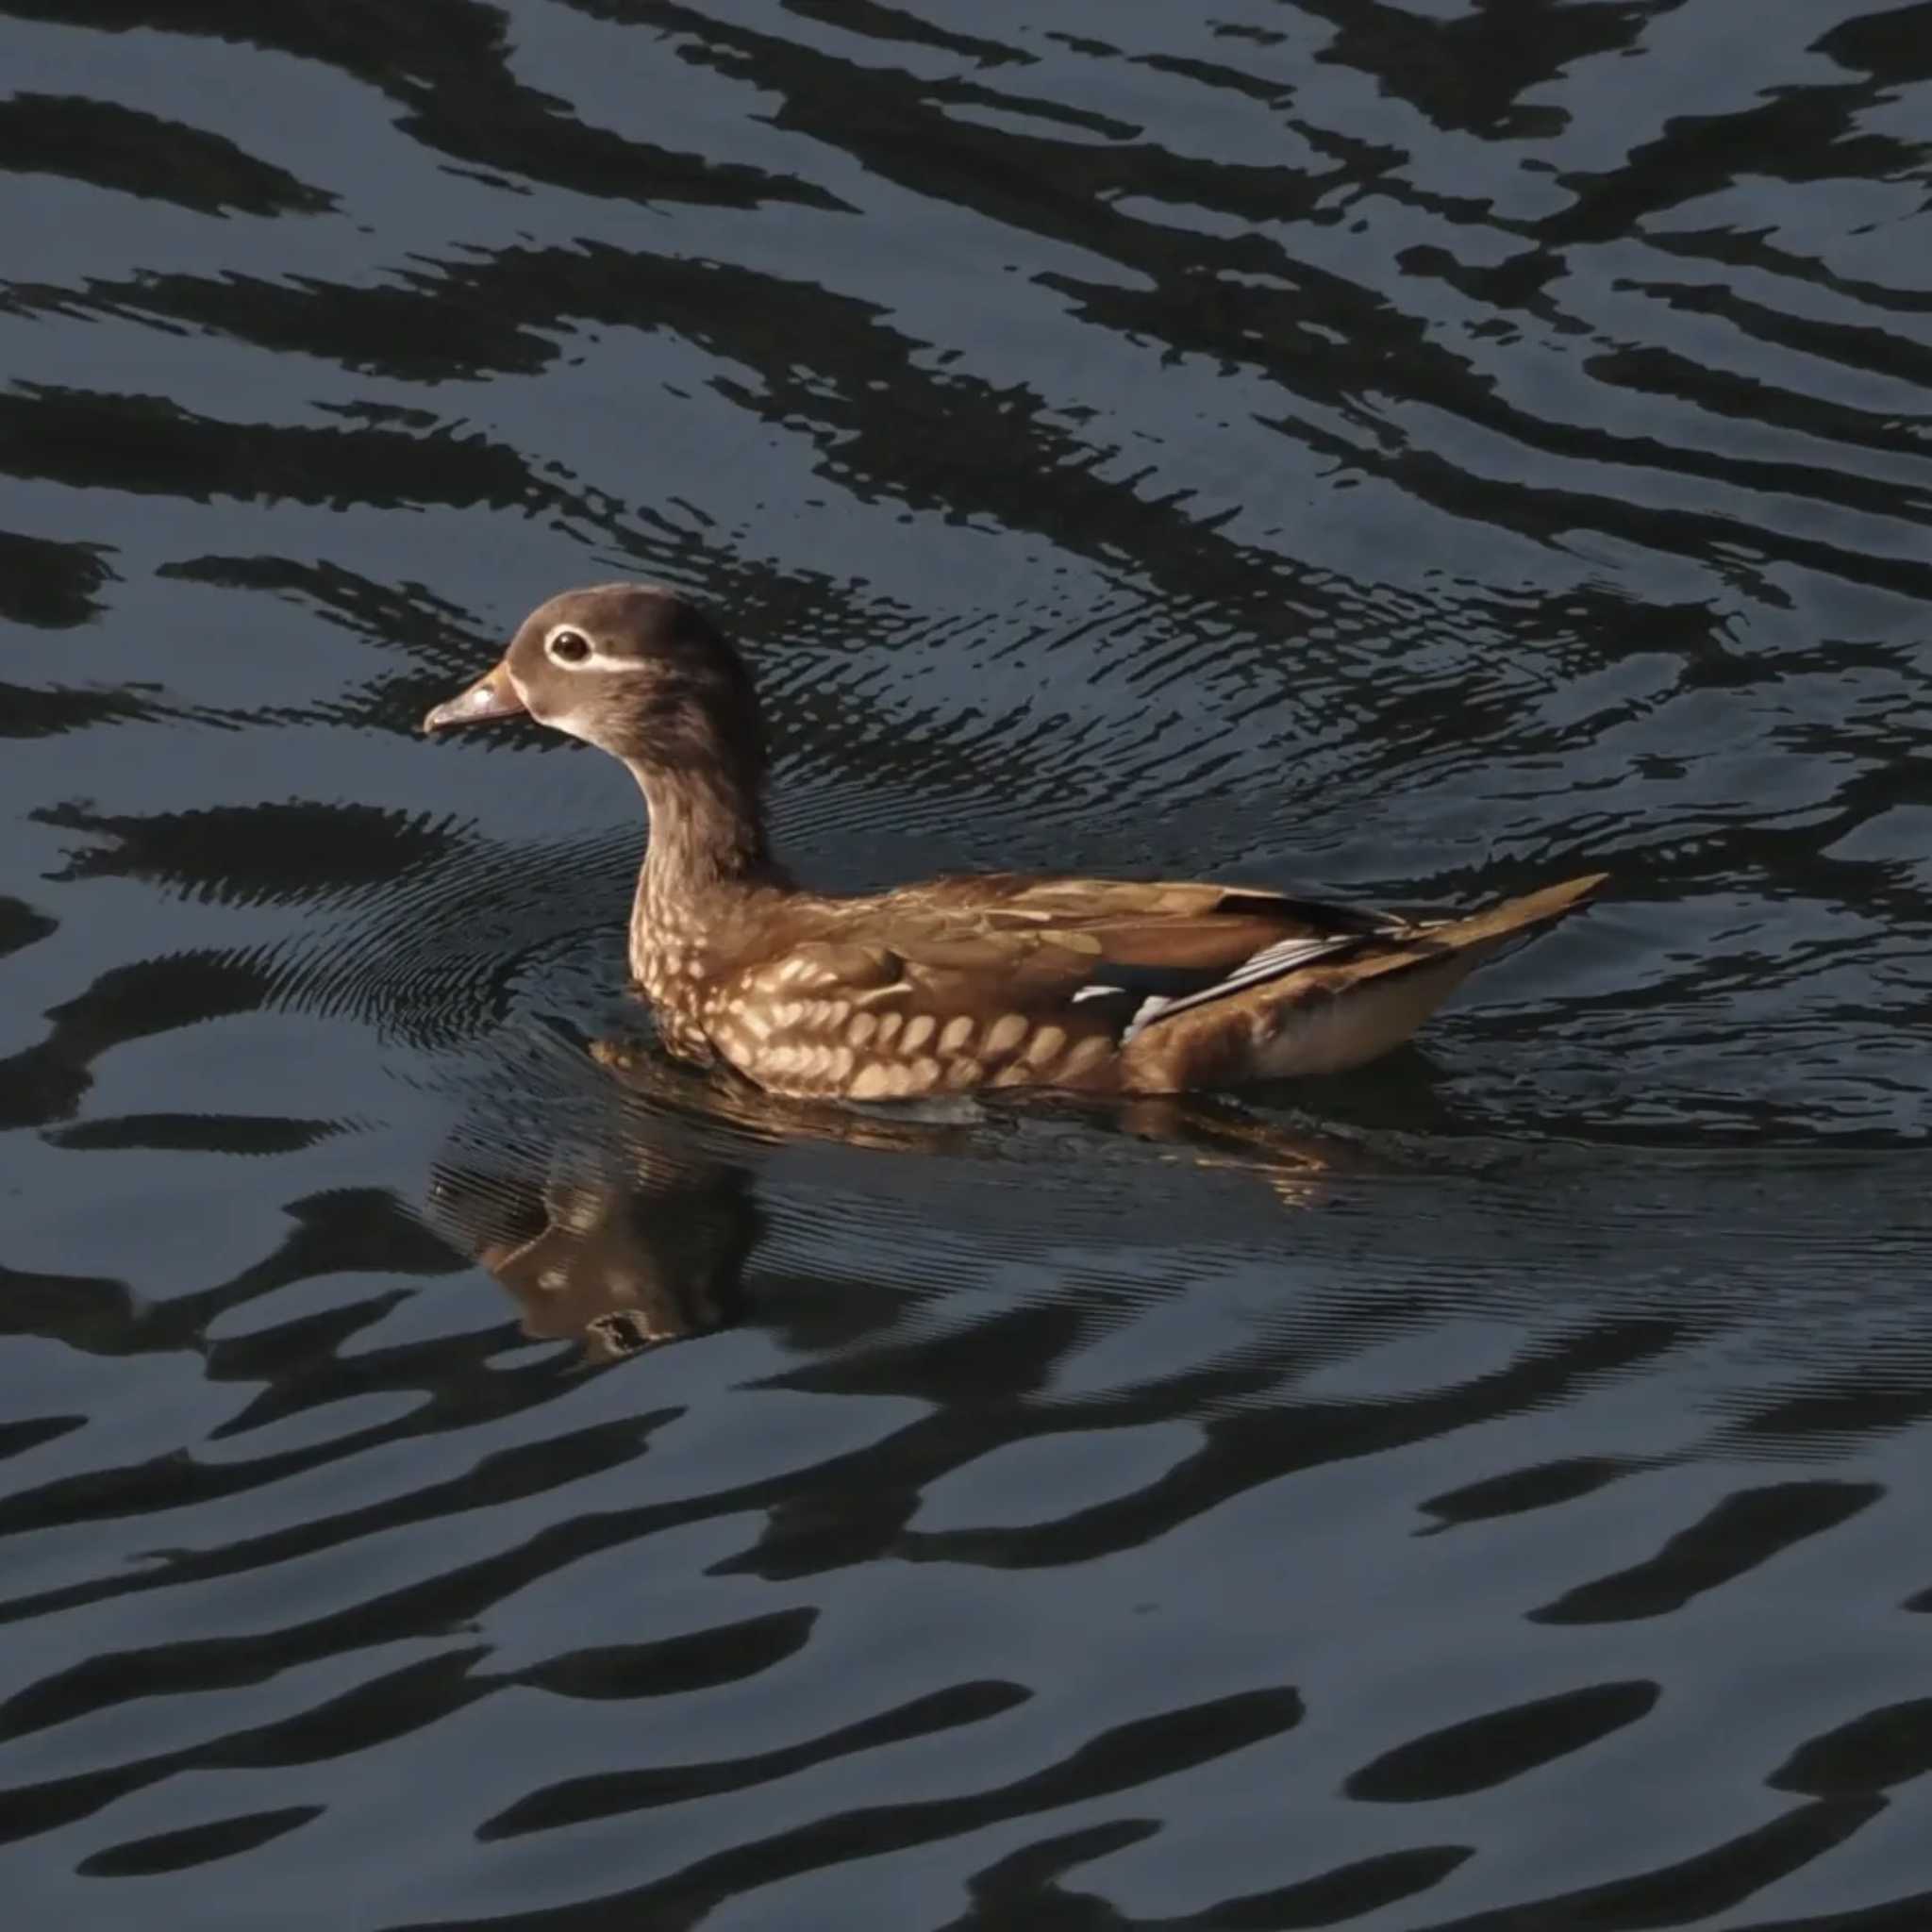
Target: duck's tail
1329	1016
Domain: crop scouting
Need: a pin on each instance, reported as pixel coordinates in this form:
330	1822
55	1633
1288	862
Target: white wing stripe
1270	963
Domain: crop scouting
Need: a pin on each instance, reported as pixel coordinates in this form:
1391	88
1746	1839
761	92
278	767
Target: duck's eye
569	646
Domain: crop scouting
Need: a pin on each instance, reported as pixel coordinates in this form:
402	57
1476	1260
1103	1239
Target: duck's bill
493	695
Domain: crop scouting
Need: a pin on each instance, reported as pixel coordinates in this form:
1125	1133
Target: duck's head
634	669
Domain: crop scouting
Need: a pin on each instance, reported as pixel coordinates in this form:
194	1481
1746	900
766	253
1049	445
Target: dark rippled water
1407	448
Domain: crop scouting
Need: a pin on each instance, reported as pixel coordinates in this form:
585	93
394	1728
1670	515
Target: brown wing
1184	925
998	981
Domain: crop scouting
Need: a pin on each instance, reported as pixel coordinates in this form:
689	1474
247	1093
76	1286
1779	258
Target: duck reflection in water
603	1208
614	1194
620	1260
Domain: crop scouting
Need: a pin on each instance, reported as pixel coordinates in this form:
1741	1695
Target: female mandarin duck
961	983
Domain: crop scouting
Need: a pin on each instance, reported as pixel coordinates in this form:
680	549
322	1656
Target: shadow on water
1399	450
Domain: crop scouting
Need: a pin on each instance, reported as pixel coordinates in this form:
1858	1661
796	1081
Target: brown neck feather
707	835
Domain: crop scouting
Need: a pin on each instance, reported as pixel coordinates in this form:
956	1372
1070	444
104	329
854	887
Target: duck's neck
707	845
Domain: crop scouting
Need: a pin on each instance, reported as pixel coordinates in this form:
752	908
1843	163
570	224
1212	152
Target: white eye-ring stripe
597	659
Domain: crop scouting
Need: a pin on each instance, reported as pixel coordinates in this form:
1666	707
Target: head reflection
612	1193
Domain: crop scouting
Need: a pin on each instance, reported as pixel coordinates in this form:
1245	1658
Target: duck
966	983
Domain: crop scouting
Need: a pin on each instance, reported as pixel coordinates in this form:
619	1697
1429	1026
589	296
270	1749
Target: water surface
1407	451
